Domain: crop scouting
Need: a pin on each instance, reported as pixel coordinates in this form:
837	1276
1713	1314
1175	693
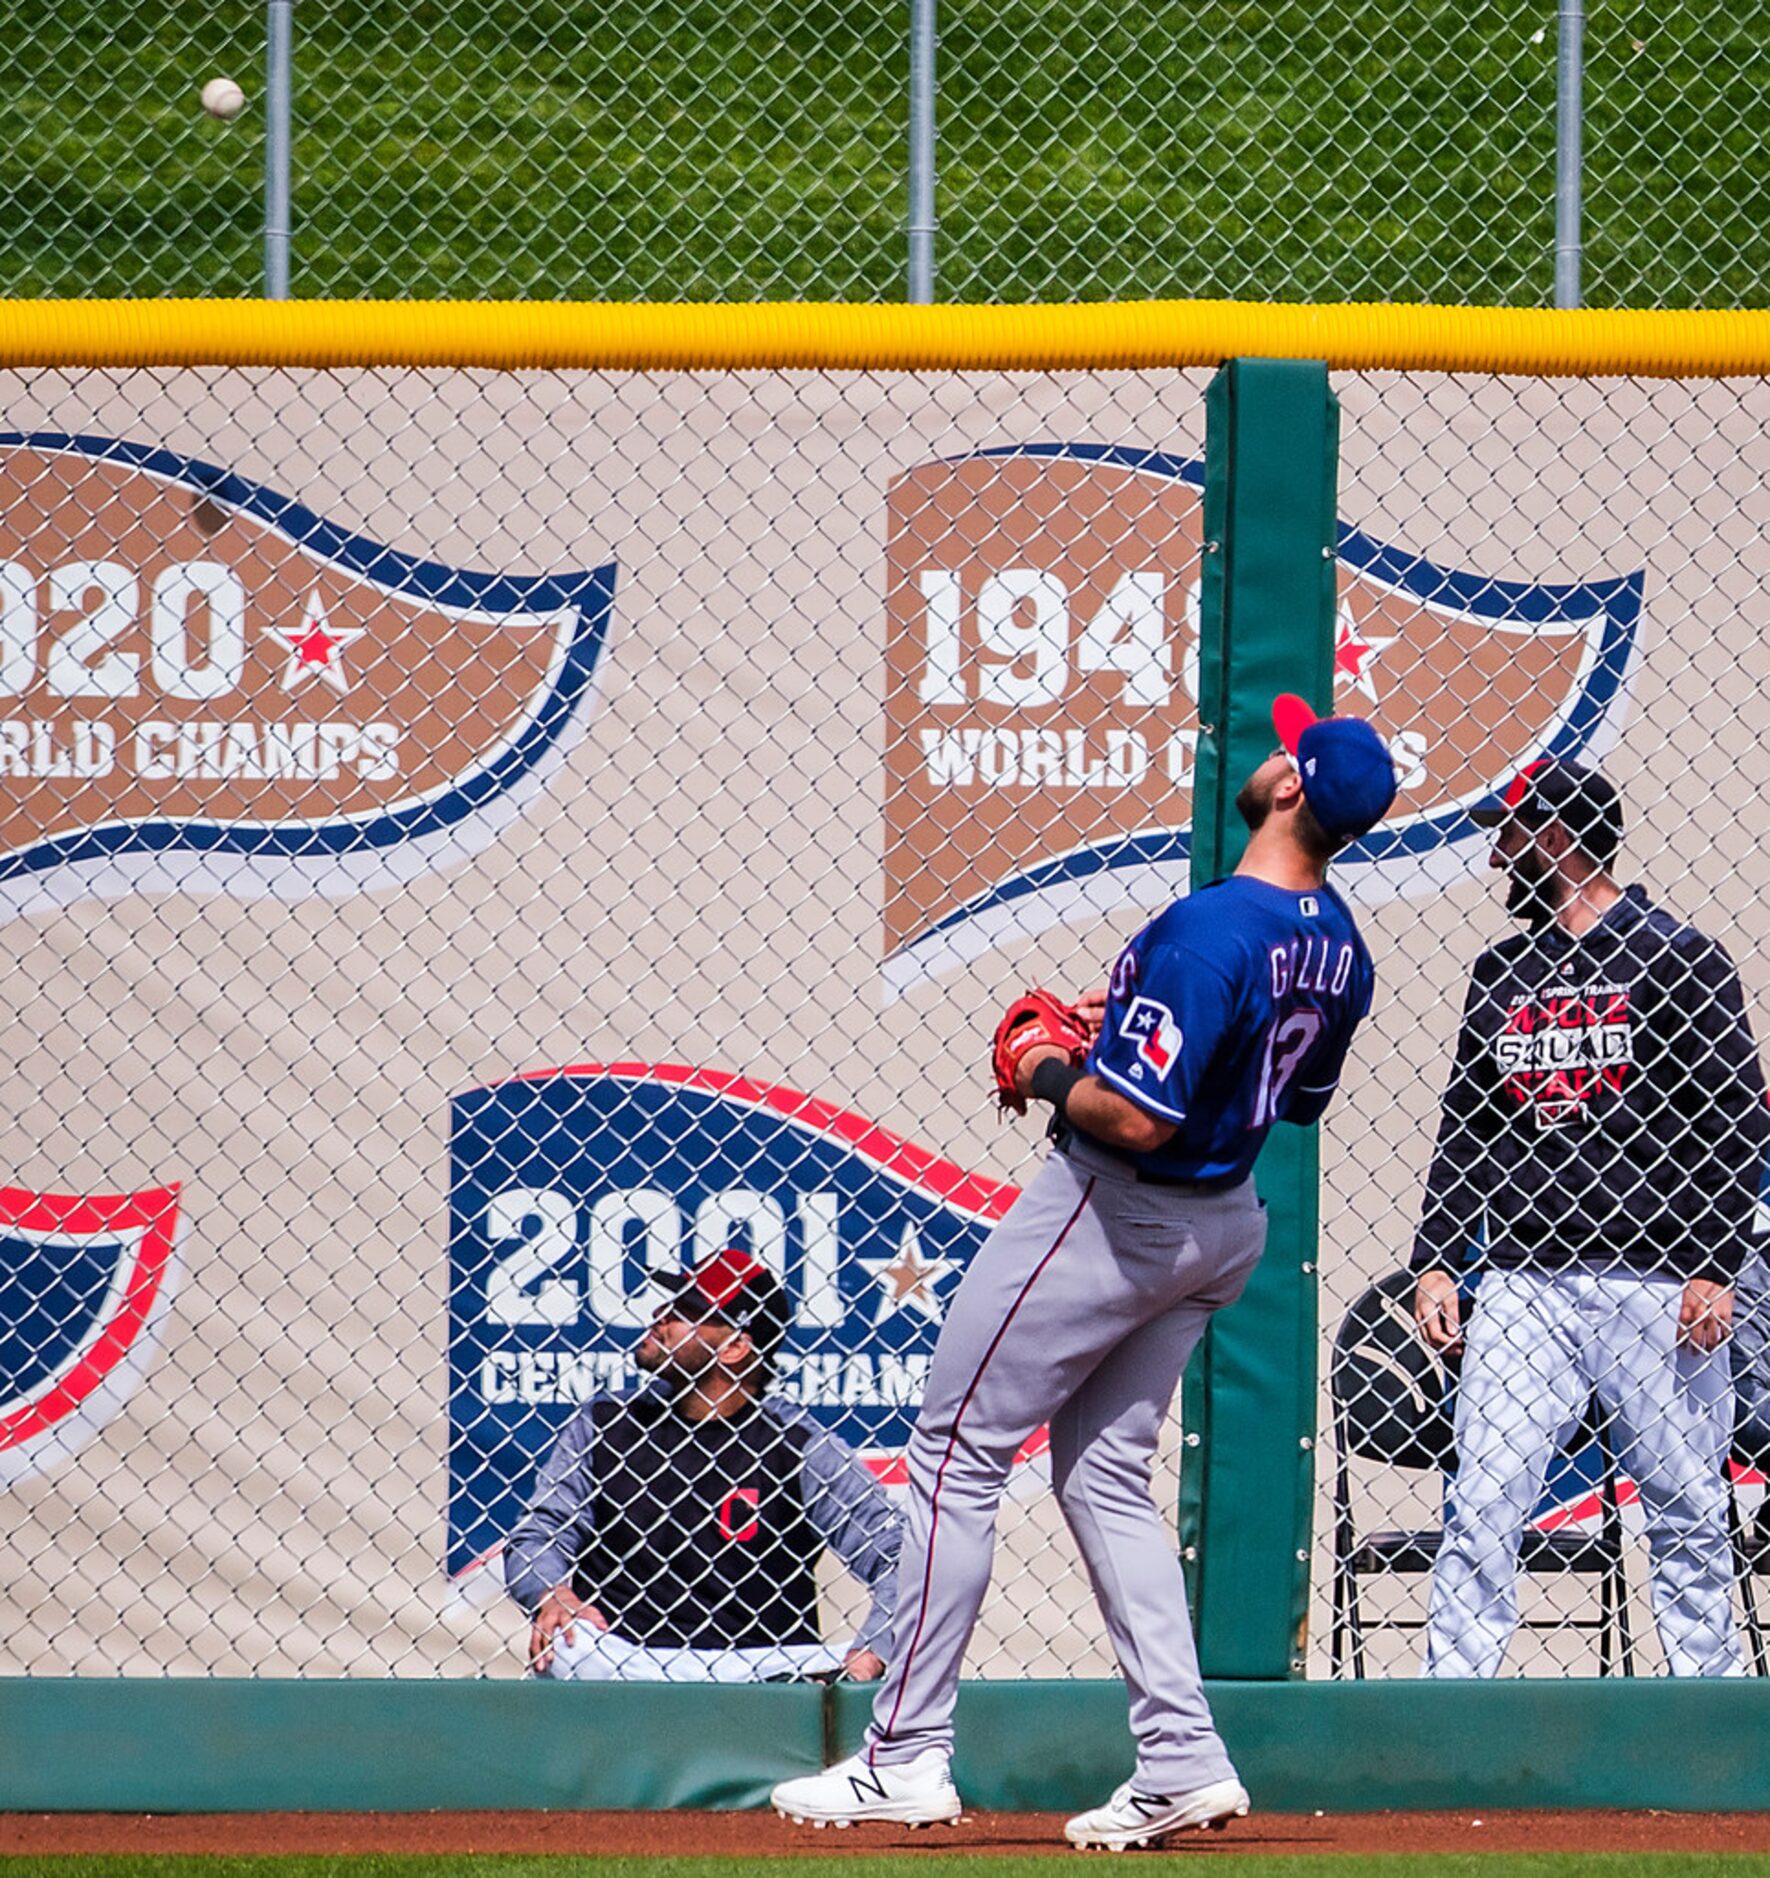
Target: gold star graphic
907	1281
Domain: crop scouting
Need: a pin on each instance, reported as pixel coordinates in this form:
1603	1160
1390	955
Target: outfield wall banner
577	1197
697	764
221	690
87	1281
1042	691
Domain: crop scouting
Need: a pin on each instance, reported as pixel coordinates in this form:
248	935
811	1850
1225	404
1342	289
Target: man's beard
1253	804
1530	897
663	1364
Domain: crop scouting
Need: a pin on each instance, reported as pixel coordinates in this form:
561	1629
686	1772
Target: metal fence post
1569	109
279	40
921	229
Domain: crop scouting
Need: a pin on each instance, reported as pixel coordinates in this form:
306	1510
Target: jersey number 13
1287	1043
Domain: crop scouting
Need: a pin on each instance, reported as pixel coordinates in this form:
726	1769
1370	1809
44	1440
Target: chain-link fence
479	844
1589	1074
728	150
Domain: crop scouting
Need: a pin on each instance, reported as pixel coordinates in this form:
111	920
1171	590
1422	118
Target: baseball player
1230	1011
1603	1129
674	1533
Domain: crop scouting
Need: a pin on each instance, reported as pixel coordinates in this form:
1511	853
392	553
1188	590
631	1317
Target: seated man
674	1533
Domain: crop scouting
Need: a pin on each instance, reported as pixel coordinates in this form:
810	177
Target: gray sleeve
1750	1347
543	1547
859	1524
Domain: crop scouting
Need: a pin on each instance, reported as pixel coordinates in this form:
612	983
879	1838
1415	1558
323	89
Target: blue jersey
1232	1010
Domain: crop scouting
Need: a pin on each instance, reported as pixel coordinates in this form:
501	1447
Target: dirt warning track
739	1835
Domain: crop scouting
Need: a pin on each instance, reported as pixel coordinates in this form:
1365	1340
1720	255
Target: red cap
1519	786
720	1278
738	1289
1290	718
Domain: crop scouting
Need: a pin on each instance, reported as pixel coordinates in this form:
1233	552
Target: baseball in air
223	98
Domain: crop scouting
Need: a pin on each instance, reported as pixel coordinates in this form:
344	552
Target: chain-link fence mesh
1597	1061
727	150
477	844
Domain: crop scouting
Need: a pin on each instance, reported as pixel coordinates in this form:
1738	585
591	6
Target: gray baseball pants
1080	1311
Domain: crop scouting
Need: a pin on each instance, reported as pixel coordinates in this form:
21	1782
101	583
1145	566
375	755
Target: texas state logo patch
85	1281
1157	1036
1042	612
577	1195
207	687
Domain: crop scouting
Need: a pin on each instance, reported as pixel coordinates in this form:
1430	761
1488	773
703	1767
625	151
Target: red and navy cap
1550	790
733	1287
1347	772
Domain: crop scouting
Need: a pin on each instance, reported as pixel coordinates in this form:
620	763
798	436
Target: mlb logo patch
1151	1027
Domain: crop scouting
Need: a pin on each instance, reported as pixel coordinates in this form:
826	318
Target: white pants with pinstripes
1080	1310
1540	1344
601	1656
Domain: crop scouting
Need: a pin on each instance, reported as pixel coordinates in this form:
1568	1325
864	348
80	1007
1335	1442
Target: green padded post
1248	1474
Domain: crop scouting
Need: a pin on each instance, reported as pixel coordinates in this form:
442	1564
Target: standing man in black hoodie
1602	1135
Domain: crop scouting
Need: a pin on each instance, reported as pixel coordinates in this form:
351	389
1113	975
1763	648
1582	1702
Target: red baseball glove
1033	1019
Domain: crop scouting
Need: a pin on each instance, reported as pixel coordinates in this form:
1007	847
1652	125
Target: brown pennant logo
1042	610
205	685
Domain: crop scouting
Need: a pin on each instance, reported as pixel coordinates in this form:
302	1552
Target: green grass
748	149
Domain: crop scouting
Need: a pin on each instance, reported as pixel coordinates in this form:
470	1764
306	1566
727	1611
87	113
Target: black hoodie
1606	1106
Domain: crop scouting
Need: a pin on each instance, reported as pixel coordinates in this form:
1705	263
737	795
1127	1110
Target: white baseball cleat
916	1793
1133	1818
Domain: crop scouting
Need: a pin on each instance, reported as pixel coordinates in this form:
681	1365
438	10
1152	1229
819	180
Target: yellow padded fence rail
519	336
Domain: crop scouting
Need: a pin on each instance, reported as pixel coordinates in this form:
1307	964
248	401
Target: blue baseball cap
1553	790
1347	773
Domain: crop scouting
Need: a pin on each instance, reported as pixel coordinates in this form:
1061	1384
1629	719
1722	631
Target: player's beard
1253	802
1530	890
679	1368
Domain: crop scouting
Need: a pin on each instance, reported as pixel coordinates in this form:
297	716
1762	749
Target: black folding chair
1749	1354
1751	1553
1392	1403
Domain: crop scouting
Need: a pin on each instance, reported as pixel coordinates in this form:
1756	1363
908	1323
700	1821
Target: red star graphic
1350	653
1353	655
315	648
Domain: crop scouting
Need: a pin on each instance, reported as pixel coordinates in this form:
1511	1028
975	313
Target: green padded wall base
216	1746
213	1746
1366	1747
